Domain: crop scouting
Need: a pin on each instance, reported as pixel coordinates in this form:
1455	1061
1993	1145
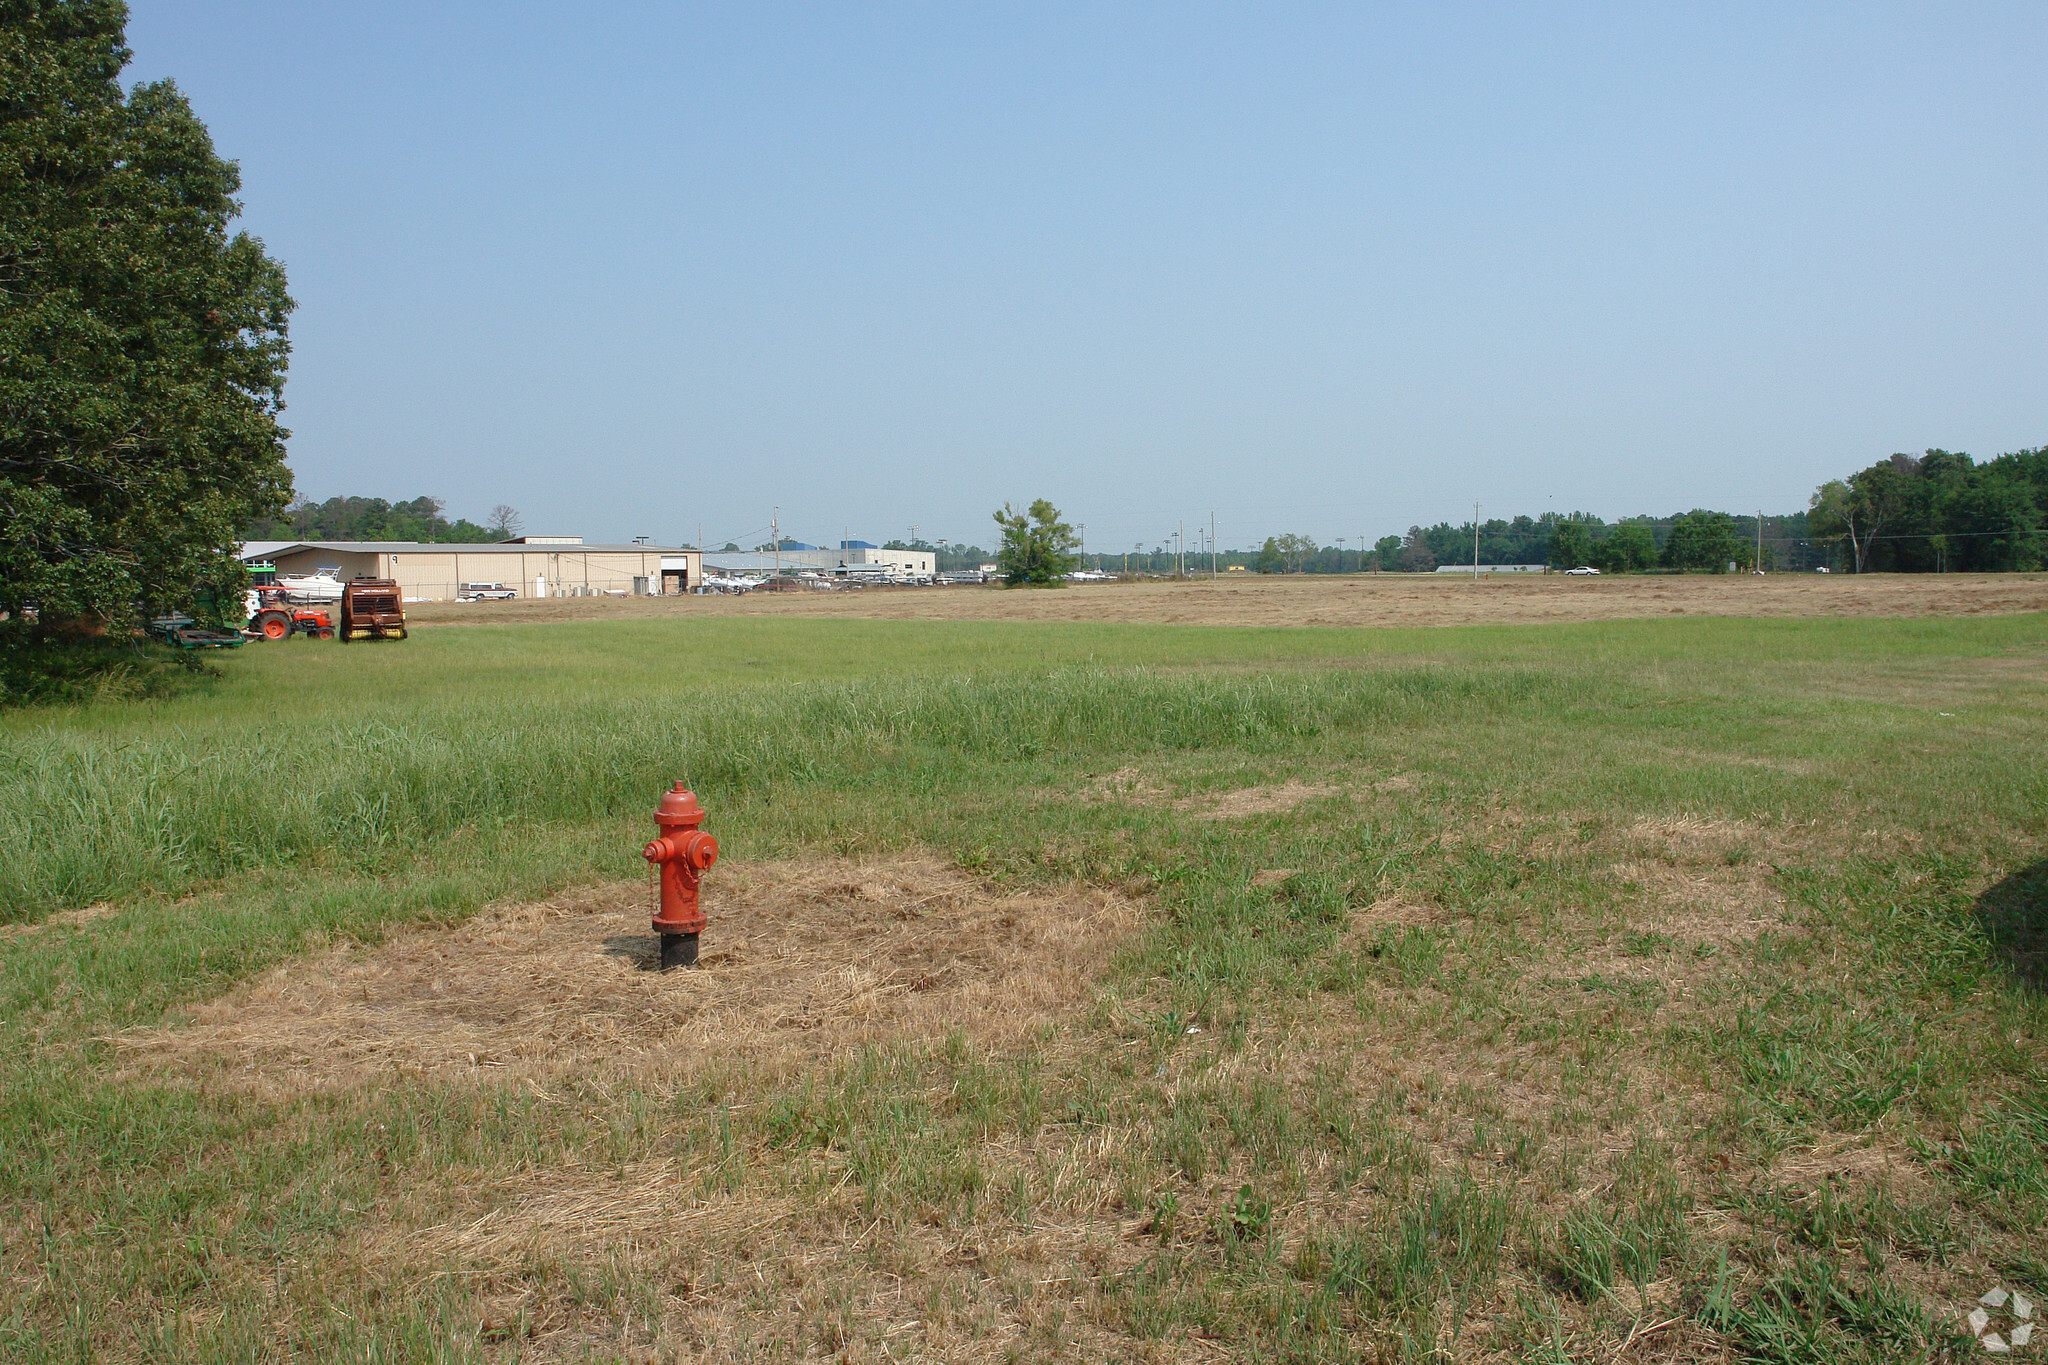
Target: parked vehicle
1583	571
372	609
485	592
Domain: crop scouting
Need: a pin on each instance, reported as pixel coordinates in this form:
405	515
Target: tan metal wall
308	561
437	575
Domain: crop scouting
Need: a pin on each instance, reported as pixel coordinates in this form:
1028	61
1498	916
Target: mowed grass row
1466	1080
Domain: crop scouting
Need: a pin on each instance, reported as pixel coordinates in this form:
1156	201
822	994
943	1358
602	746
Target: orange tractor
276	617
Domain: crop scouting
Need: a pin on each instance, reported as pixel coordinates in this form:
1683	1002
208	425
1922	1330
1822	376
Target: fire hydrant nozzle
697	849
682	853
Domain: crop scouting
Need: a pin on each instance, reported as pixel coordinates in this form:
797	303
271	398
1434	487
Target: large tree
1570	545
1630	549
1703	540
1037	546
1860	508
142	346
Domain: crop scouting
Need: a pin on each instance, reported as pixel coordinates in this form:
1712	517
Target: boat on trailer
322	585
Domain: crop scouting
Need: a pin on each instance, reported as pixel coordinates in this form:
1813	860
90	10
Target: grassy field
1635	990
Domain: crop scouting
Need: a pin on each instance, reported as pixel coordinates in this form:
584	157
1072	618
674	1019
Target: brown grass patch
1393	909
1125	784
802	960
63	919
1250	801
1862	1160
1705	881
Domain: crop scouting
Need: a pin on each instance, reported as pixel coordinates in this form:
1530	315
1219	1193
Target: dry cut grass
1332	600
802	962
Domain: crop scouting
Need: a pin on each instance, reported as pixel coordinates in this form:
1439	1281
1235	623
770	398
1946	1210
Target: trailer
183	632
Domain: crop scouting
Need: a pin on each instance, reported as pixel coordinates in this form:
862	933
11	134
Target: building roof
730	562
270	549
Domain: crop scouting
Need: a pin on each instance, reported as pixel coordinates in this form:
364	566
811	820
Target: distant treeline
1697	540
372	519
1935	512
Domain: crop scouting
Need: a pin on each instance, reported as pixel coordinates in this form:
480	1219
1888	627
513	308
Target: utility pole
1475	542
1212	543
1759	540
775	534
1181	544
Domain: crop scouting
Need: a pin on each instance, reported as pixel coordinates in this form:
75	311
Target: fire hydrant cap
680	807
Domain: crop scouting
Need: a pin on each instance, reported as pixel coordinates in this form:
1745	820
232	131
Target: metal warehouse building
532	566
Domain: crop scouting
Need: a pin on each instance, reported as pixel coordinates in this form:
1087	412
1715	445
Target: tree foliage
1939	511
1630	548
142	347
1703	540
351	518
1417	554
1037	547
1570	545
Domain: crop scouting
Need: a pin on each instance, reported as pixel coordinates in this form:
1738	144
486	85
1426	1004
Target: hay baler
371	609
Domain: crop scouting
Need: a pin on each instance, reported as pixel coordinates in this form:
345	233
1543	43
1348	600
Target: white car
1583	571
485	592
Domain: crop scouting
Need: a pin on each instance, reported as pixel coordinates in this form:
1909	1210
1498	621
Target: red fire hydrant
682	853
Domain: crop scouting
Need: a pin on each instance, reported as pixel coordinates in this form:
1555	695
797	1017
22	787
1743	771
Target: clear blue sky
1328	269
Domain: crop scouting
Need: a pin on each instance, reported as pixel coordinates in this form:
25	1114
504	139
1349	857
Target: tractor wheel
327	633
275	625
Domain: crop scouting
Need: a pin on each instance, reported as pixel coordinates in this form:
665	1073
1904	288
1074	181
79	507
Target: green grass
1565	1106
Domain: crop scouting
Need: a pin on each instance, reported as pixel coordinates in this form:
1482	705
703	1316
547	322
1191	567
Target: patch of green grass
1484	1071
1817	1313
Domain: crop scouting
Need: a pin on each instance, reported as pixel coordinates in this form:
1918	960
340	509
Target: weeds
1816	1313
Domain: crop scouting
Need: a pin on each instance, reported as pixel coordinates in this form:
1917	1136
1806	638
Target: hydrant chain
683	853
